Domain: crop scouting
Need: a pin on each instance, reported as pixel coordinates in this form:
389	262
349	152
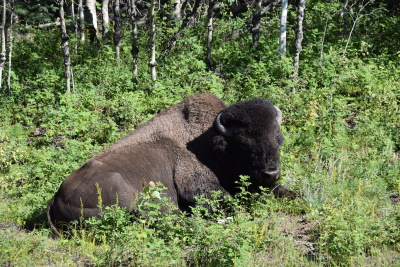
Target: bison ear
278	115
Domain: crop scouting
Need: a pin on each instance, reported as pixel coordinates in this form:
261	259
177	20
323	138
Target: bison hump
199	112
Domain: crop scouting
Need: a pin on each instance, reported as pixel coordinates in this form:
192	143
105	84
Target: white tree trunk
10	48
81	20
299	36
65	49
3	43
106	17
177	9
152	41
117	30
282	36
91	5
213	7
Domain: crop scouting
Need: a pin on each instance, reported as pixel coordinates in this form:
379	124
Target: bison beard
194	147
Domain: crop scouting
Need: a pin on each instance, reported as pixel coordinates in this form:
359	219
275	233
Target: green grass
341	154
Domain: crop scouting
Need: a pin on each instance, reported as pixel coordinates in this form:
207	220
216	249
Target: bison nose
271	171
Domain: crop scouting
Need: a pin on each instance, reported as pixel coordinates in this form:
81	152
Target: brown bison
194	147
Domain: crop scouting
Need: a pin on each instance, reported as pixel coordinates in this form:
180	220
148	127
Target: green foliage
349	232
341	124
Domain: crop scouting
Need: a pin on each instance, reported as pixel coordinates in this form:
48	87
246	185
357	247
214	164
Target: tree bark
117	30
299	35
10	48
65	48
213	7
255	30
135	47
152	42
176	14
91	19
81	20
184	4
3	42
106	17
282	36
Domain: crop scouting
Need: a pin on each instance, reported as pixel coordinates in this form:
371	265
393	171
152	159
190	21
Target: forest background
70	90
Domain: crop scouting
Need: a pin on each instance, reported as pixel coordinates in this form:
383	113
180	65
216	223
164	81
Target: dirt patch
301	230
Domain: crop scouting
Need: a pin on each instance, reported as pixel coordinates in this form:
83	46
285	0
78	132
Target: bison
194	147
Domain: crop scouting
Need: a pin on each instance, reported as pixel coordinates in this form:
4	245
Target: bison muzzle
194	147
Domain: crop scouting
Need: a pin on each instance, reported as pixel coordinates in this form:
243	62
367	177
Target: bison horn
221	128
278	115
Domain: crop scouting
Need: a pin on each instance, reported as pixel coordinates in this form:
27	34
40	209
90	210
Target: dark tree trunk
135	47
255	30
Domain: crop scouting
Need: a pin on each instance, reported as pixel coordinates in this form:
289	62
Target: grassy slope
341	153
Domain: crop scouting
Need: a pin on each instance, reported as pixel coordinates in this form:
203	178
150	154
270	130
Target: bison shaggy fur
194	147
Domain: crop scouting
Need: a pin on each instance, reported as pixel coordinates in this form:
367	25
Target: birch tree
81	18
10	47
176	13
106	17
3	42
213	7
135	47
152	41
299	35
282	35
117	30
65	48
92	16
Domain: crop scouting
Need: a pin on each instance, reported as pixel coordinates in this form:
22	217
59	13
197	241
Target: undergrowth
341	124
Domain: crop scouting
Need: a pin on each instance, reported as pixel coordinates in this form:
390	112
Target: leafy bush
341	150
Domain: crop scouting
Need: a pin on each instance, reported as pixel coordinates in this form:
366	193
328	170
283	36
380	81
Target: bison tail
53	228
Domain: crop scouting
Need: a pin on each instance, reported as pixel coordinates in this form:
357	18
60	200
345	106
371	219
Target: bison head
249	137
